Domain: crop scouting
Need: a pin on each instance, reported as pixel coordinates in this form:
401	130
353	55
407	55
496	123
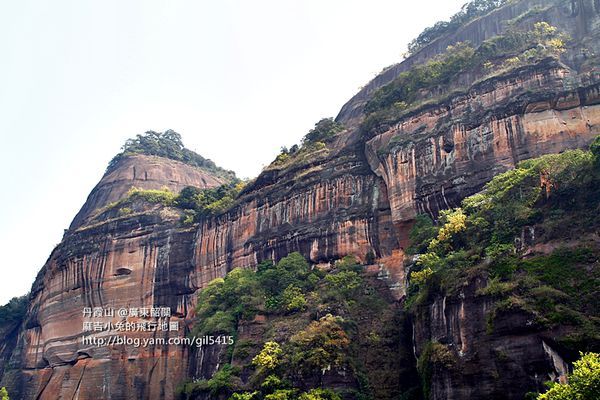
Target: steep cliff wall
439	154
333	207
144	172
128	263
355	196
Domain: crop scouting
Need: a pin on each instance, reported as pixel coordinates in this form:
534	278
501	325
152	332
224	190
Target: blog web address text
117	340
109	326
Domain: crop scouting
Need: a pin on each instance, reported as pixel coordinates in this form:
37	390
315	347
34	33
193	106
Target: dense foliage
196	203
314	141
13	311
504	52
3	394
467	13
325	129
167	144
200	203
555	198
584	382
316	322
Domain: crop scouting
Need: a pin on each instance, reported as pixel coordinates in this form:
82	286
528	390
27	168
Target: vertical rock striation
357	196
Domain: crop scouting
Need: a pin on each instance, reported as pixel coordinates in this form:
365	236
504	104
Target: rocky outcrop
356	196
144	172
437	155
148	259
514	359
129	263
578	18
325	210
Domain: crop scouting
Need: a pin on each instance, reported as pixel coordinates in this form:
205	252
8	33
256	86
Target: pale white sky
238	80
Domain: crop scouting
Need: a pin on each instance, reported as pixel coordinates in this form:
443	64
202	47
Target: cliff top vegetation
169	145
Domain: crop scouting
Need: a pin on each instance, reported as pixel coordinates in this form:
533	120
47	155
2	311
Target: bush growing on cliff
159	196
205	202
583	384
299	310
595	149
4	394
314	141
434	355
323	130
14	310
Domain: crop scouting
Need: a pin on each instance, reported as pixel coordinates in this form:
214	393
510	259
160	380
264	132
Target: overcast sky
238	80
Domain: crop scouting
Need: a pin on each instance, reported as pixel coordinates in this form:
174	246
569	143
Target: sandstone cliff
358	195
146	172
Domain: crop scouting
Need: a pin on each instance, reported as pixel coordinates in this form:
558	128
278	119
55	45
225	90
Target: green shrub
205	202
468	12
516	47
421	277
282	394
434	355
421	234
323	344
595	149
162	196
14	310
495	287
344	283
583	384
167	144
323	130
293	299
269	357
320	394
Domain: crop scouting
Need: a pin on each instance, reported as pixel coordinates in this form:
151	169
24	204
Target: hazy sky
238	80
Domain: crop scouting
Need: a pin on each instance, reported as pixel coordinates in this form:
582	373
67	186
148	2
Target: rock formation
357	196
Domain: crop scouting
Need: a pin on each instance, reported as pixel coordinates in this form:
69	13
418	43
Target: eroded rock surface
356	197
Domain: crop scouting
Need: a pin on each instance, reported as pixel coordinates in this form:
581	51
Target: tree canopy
583	384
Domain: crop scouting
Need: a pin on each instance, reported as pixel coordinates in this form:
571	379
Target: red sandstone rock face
151	260
133	262
144	172
435	157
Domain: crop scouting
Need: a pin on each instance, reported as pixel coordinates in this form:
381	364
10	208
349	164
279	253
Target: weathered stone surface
86	270
513	360
355	198
144	172
434	157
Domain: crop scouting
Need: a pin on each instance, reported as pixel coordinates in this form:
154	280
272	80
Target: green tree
344	283
595	149
3	394
166	144
322	344
324	129
584	382
188	197
320	394
14	310
269	357
293	299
